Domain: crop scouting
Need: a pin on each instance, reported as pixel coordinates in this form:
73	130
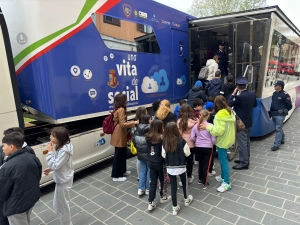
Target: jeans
119	163
144	176
173	181
278	123
190	162
156	171
204	155
138	167
243	139
222	154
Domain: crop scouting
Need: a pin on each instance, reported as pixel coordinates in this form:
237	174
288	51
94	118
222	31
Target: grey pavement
267	193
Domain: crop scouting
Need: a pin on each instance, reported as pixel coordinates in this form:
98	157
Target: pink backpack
108	124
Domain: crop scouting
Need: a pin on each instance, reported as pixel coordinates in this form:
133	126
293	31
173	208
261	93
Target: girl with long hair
156	161
204	142
164	112
224	129
186	121
175	150
119	138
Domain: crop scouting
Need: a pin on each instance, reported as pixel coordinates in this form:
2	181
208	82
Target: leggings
173	181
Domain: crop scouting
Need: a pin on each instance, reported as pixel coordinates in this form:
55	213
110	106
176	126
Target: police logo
127	10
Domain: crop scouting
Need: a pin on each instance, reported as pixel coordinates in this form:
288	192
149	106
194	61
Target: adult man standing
223	63
281	104
243	102
196	63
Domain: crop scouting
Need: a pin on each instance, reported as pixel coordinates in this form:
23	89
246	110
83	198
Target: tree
204	8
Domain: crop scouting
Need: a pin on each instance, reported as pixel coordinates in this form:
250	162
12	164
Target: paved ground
267	193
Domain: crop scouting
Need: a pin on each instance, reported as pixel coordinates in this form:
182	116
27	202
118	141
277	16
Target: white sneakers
219	179
189	180
175	210
165	199
141	192
127	173
151	206
224	187
187	202
147	192
212	173
119	179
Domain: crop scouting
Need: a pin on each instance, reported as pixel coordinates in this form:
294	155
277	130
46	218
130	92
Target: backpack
204	72
108	124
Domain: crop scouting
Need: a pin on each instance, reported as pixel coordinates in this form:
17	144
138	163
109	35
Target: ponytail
204	114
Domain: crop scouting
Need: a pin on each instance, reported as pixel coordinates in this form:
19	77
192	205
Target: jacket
154	152
169	118
176	111
119	136
243	105
186	134
25	147
177	159
212	68
195	92
223	64
224	129
281	100
213	88
61	164
139	141
20	182
202	138
227	89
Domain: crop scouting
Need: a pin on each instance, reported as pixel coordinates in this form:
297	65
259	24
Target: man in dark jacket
243	102
196	92
223	63
228	88
19	178
213	88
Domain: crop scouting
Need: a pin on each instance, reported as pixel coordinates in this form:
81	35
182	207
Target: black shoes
240	167
274	148
282	142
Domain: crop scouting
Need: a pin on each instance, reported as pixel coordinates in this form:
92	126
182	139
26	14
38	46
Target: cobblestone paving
267	193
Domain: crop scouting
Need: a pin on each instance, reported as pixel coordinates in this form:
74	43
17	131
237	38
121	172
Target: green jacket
224	129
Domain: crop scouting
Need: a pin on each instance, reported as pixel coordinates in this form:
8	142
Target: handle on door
184	60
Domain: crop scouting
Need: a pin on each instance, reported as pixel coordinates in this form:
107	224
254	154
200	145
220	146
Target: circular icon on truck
22	38
92	93
75	71
87	74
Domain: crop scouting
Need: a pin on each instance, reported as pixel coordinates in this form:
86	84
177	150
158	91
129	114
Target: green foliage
204	8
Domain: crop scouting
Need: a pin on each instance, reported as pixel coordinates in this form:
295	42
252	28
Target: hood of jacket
210	62
67	148
216	81
143	128
224	115
197	88
230	86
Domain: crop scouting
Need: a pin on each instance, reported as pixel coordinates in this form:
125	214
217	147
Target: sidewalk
267	193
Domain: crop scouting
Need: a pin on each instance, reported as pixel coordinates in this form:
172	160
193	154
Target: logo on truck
112	79
127	10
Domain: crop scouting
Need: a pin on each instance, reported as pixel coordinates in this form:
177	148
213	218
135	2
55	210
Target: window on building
112	20
131	36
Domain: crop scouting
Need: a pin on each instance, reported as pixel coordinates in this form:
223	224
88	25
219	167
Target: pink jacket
186	135
202	138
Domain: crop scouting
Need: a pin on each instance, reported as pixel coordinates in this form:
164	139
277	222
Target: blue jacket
281	100
195	92
223	64
214	86
176	111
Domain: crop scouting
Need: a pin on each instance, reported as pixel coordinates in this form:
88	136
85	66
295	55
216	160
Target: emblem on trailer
112	79
127	10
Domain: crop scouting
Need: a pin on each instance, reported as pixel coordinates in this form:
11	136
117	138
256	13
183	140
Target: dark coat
223	64
227	89
177	158
139	141
169	118
281	100
243	105
154	153
20	182
213	88
195	92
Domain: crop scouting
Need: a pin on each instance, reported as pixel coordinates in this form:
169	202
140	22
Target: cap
241	81
209	105
222	43
198	83
279	83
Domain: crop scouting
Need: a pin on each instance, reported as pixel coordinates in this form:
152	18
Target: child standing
20	176
61	164
175	150
204	142
139	141
156	161
224	129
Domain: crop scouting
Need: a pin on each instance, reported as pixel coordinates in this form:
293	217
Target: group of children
21	171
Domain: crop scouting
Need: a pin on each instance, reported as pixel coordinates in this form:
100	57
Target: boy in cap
281	104
243	102
196	92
